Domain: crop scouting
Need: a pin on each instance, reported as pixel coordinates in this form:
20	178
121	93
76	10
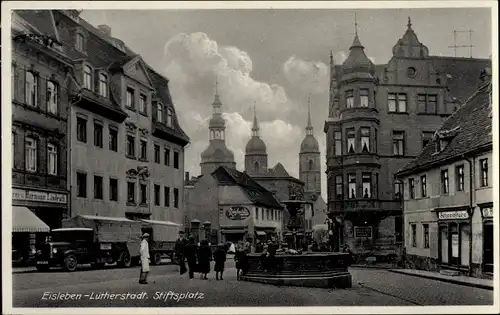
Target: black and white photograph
249	157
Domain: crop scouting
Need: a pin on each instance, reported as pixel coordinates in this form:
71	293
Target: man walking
144	252
180	245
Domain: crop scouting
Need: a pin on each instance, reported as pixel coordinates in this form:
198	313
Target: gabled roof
472	126
279	171
255	192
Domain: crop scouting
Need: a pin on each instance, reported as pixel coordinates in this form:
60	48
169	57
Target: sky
275	58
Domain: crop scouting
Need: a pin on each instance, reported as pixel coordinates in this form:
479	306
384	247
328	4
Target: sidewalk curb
372	267
468	284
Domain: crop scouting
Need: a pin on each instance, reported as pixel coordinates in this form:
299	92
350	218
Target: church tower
309	159
217	154
255	151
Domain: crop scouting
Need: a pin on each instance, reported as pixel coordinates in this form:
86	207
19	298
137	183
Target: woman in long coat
220	259
144	252
204	258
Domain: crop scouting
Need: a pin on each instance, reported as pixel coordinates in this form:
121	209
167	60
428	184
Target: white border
119	5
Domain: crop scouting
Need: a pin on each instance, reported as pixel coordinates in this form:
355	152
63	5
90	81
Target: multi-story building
40	71
126	157
448	197
380	118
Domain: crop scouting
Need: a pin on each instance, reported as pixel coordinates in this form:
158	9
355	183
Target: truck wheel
70	263
42	268
157	258
126	261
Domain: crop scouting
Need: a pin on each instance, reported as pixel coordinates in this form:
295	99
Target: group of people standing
198	257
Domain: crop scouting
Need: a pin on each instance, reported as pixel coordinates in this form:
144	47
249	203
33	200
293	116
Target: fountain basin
319	270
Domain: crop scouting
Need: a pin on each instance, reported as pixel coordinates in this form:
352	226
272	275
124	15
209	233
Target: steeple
309	127
255	127
409	23
255	150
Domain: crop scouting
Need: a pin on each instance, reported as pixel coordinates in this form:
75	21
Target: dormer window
87	78
349	99
169	117
80	39
442	144
159	112
103	85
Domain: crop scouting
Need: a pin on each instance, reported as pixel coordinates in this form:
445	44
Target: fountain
292	268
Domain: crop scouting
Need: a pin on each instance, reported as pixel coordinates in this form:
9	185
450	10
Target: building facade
380	118
448	197
40	71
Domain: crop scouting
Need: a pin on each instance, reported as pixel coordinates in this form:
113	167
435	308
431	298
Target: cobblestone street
371	287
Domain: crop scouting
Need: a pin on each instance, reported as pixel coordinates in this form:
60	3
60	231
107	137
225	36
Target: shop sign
237	213
40	196
487	212
363	232
453	215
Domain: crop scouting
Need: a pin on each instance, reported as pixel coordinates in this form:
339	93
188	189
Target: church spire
255	127
217	105
409	22
309	127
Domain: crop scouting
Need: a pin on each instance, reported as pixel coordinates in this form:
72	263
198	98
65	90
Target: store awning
24	220
261	233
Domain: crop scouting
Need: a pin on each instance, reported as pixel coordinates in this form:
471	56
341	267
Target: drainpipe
471	200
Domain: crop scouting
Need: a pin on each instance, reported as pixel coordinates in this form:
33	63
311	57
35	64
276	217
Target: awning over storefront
261	233
24	220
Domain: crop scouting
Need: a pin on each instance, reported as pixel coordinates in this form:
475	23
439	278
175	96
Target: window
166	156
130	192
375	140
129	100
176	198
98	187
52	97
31	89
425	228
396	103
159	112
166	196
256	213
157	195
427	104
460	177
98	135
31	154
426	138
398	143
103	85
130	146
414	235
351	141
81	185
398	189
366	180
52	159
411	187
144	193
484	172
81	129
423	185
113	189
349	99
311	165
79	41
142	104
176	159
352	185
445	183
339	187
87	78
157	154
169	117
144	150
338	143
363	94
255	166
365	140
113	139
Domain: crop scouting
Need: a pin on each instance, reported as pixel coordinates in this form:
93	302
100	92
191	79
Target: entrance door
454	244
488	247
443	239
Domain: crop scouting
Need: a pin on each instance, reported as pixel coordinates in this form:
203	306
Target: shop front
454	238
487	218
235	223
27	232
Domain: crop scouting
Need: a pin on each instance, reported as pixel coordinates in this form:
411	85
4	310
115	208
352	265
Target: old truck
163	235
94	240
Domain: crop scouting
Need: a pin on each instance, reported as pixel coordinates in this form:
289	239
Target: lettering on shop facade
237	213
40	196
453	215
363	232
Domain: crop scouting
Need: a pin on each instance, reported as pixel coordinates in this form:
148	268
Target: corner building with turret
380	118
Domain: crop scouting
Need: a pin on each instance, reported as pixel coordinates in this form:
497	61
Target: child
220	259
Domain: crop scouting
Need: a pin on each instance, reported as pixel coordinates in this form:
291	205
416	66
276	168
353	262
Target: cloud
308	76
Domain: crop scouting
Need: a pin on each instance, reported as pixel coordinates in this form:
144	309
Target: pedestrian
180	244
204	258
241	261
144	252
220	259
190	254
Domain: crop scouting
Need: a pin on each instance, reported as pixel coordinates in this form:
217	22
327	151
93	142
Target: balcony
359	114
359	159
357	205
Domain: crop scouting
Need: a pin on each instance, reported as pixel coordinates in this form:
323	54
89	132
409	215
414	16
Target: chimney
105	29
186	178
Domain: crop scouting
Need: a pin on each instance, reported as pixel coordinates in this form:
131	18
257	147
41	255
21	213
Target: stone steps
447	272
